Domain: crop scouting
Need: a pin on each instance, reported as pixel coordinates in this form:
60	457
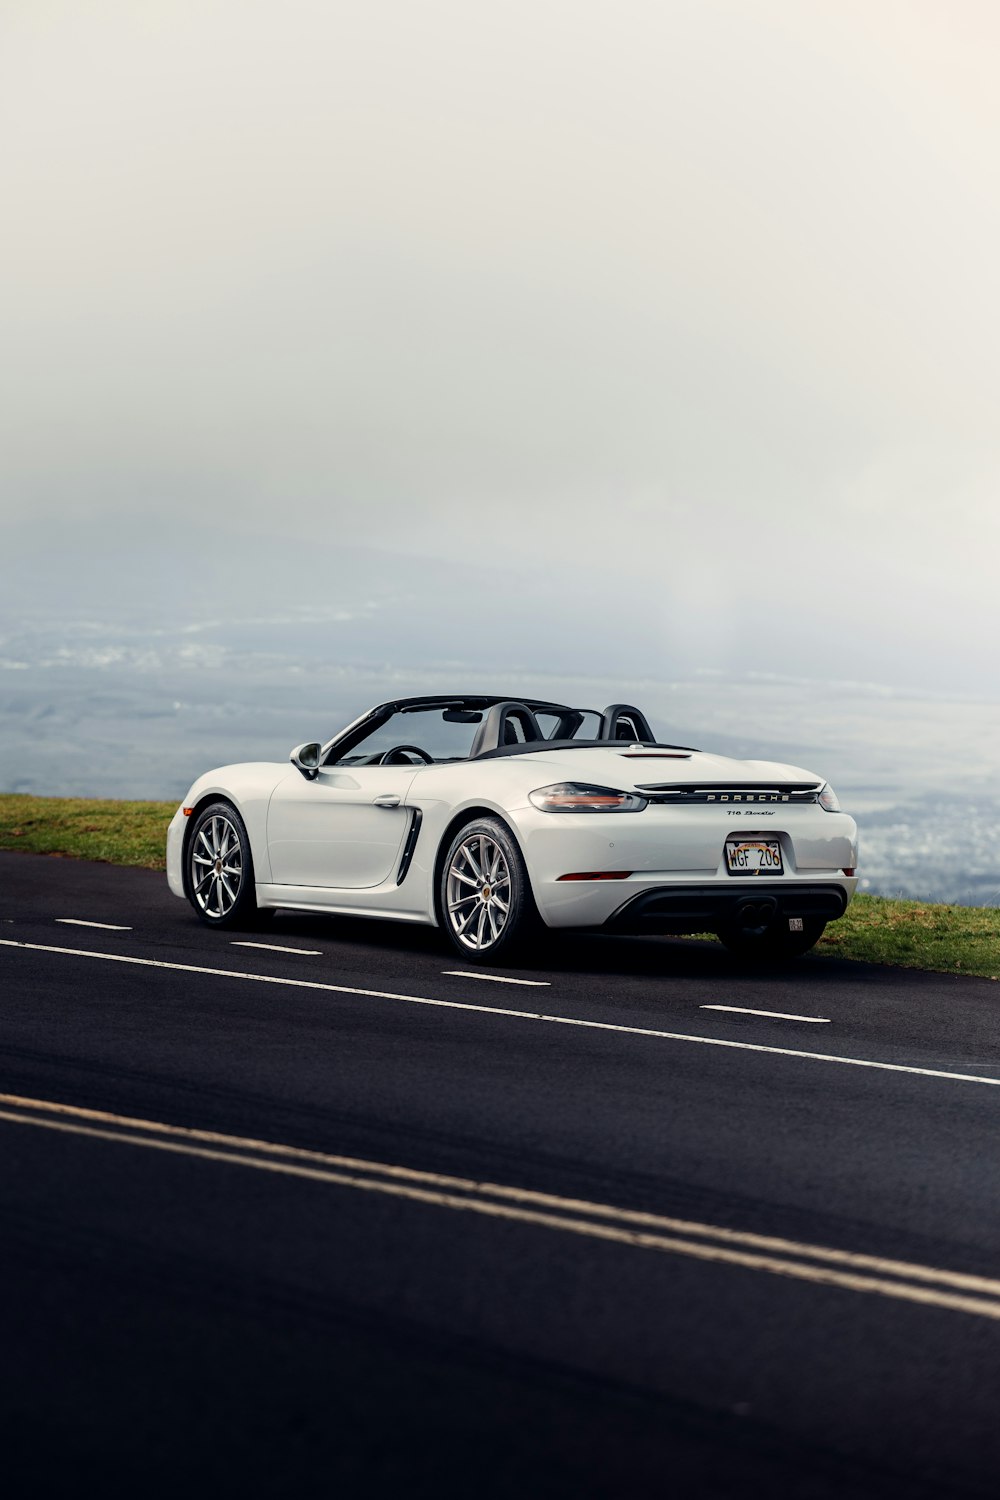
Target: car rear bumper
690	901
707	908
665	869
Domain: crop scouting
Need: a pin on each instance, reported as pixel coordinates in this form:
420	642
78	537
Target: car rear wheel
219	869
486	905
772	942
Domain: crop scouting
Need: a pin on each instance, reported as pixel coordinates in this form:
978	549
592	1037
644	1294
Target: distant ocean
98	705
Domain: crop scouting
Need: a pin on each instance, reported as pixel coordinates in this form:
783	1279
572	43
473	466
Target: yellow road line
789	1258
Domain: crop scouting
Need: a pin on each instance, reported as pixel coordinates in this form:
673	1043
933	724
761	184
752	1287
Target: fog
345	349
700	297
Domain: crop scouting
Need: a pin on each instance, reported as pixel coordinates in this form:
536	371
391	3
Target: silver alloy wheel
478	892
217	866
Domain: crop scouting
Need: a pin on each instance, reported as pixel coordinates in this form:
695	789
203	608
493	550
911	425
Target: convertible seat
500	727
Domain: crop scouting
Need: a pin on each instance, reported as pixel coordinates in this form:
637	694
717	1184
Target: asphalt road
338	1221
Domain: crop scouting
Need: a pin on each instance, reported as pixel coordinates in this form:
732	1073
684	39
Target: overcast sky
700	296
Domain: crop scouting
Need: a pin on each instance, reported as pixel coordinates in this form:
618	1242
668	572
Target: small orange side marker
187	811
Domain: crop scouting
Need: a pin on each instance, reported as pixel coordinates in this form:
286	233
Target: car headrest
500	727
620	721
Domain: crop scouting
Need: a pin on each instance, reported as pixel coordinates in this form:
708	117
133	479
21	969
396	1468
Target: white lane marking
777	1015
79	922
276	948
788	1258
514	1015
541	984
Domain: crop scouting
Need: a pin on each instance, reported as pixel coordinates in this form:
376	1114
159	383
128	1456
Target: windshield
426	729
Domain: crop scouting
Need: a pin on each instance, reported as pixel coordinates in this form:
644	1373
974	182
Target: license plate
753	857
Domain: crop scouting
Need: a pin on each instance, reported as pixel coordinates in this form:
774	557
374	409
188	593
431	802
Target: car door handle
387	800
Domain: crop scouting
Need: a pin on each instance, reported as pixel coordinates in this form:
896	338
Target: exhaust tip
756	913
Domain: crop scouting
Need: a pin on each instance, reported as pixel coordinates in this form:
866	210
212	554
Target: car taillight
580	797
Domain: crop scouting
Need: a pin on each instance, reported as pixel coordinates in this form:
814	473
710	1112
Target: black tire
773	943
218	869
483	873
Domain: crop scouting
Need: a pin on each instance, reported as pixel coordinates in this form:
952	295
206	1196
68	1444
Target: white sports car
492	818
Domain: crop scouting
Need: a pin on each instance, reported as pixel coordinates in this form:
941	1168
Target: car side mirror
305	758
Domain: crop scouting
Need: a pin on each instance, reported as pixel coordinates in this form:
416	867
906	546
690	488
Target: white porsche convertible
493	818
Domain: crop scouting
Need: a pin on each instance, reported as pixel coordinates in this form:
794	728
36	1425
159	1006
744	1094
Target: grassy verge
915	934
918	935
117	833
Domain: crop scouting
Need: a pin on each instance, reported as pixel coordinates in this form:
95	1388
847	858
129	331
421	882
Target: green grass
117	833
918	935
914	934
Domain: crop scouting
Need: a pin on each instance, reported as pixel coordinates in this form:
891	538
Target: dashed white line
513	1015
276	948
107	926
776	1015
542	984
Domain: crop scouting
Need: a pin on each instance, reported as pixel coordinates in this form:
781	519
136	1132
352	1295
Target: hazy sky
701	296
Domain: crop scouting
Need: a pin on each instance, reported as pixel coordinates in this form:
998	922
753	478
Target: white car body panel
332	832
248	787
326	845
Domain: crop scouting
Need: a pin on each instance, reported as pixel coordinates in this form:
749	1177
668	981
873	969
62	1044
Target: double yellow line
849	1270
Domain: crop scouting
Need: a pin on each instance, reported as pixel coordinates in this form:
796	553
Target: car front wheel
219	868
486	904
